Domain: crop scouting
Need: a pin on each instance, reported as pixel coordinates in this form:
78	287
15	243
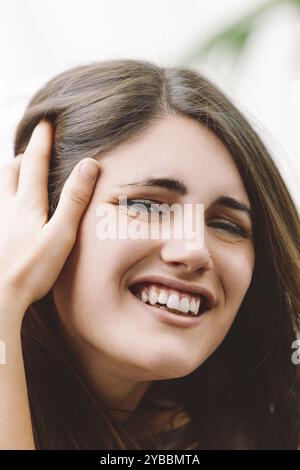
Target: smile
176	307
173	300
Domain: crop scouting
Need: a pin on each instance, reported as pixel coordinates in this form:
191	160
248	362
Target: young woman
98	355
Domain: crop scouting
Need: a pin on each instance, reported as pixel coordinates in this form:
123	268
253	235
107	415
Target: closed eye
232	228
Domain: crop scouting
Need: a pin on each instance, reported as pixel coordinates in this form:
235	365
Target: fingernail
89	169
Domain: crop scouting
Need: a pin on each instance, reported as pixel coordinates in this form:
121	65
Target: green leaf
232	40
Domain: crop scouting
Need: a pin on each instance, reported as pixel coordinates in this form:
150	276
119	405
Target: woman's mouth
169	304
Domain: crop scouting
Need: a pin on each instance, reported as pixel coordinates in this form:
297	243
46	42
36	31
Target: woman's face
109	328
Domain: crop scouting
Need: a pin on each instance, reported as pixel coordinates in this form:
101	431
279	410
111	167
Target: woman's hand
33	250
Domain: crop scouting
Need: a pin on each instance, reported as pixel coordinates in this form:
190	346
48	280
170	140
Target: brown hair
245	395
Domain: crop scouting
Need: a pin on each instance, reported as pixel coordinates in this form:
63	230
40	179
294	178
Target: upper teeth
171	298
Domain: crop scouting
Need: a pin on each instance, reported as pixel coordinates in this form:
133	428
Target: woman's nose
176	253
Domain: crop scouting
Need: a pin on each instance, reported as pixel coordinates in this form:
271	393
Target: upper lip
180	286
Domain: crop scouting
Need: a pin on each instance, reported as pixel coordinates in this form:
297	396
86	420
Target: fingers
33	177
74	199
9	176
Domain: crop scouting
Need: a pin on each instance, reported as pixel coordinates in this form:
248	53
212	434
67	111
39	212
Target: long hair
246	394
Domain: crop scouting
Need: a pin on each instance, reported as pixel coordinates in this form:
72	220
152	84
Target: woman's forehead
178	149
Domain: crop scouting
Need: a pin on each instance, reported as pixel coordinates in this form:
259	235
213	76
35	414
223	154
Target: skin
122	348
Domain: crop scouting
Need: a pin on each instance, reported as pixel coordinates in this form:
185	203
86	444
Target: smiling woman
136	331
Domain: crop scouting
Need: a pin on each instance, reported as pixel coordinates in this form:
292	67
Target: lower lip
172	318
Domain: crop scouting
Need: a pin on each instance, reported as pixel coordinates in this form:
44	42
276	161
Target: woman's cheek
235	273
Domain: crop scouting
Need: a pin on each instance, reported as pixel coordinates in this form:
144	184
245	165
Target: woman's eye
142	205
232	228
155	207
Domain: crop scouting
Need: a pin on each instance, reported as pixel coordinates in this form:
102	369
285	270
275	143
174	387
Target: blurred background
249	49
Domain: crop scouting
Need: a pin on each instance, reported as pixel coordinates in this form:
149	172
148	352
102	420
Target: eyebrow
171	184
175	185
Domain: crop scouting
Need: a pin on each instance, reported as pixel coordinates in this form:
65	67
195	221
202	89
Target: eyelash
232	228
